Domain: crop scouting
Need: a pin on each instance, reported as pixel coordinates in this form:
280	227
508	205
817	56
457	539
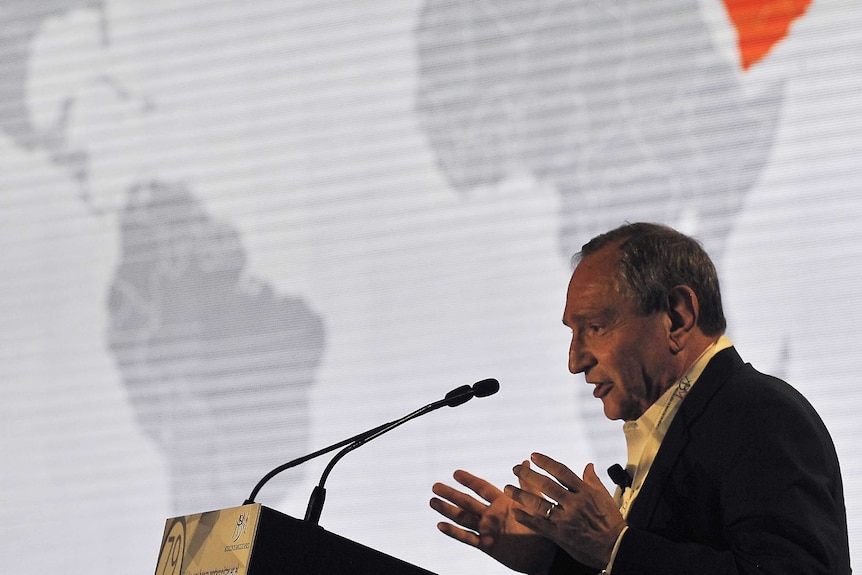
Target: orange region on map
761	24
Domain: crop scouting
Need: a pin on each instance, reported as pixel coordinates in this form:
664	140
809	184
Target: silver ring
550	511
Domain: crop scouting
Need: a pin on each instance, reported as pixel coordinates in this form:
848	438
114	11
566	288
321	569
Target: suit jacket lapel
711	380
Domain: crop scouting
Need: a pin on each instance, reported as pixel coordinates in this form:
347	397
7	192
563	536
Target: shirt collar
656	419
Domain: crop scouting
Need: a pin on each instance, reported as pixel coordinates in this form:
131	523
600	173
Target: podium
256	540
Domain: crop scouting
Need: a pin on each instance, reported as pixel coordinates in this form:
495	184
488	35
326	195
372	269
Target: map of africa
627	108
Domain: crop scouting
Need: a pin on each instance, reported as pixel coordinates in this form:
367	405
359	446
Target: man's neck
698	345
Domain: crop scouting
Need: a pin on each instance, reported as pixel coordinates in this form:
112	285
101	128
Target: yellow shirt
645	434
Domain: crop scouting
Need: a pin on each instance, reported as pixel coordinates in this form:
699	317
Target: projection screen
232	233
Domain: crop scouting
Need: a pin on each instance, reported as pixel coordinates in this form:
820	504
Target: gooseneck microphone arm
454	398
300	460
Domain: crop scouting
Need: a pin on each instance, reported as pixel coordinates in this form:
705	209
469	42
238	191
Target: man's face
624	353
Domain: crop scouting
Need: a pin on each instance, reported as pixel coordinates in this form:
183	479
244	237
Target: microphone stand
453	398
318	495
304	458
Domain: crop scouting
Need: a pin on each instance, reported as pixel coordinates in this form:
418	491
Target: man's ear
683	312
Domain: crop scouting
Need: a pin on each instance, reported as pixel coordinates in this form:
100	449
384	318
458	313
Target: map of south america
217	365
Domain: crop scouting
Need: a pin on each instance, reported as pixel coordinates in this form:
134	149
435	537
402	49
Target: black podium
256	540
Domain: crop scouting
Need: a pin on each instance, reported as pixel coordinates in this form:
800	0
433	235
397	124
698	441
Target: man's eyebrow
575	318
593	315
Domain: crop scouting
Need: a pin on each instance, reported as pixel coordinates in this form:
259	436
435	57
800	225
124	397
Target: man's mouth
601	390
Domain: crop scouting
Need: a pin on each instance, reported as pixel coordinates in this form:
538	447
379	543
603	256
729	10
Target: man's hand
490	525
585	522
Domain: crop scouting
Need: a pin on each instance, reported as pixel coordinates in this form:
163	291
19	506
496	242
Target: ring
550	511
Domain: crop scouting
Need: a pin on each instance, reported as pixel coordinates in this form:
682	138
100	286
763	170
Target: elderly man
729	470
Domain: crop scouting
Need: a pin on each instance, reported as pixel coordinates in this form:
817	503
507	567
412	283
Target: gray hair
657	258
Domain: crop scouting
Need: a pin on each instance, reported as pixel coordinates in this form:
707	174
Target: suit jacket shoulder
746	478
746	481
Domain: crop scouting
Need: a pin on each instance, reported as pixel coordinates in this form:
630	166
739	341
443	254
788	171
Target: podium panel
256	540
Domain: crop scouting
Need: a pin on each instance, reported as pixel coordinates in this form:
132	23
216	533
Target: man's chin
612	411
616	412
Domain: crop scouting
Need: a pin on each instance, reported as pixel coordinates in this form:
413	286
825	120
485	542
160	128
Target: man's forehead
595	288
597	271
591	299
609	254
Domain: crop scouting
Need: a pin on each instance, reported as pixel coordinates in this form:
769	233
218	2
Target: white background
300	127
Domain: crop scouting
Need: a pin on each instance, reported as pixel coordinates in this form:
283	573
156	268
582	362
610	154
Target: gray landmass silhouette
217	366
626	107
20	21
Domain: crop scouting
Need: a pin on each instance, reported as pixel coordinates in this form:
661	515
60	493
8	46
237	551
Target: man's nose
579	357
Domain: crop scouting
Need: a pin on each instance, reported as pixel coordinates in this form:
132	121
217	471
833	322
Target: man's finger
533	504
538	524
461	500
482	488
540	483
454	513
462	535
568	478
592	479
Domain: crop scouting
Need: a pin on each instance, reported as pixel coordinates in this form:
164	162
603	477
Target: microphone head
486	387
459	395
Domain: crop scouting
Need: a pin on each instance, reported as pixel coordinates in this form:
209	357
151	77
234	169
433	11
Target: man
729	470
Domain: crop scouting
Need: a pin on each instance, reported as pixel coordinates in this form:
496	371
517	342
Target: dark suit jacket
746	481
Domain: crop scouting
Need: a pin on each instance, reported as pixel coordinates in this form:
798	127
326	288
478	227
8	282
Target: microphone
486	387
459	395
620	476
454	398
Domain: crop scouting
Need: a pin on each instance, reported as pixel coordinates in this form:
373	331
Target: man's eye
596	328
